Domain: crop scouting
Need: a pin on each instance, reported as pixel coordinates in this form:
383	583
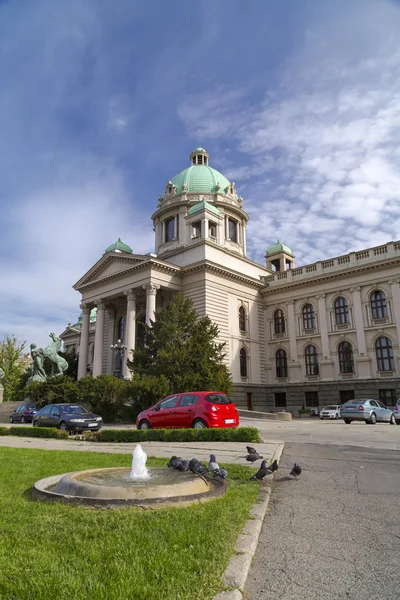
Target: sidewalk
226	452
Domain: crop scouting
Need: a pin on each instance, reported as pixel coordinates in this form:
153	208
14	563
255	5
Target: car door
43	417
18	413
385	412
376	409
163	415
54	417
185	410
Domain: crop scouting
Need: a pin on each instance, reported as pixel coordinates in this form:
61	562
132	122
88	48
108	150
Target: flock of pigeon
196	467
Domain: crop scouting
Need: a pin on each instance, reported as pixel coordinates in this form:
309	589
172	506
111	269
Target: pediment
109	266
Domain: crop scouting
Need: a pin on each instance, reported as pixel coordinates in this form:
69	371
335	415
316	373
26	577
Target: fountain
118	487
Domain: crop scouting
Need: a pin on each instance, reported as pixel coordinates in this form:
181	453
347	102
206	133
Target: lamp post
120	350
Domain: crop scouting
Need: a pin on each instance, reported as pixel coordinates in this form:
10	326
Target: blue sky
101	103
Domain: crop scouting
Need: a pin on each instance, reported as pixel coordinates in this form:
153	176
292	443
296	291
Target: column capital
393	281
130	294
355	289
321	296
100	304
290	303
85	308
151	288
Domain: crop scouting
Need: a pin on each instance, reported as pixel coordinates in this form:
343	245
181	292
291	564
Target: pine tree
183	347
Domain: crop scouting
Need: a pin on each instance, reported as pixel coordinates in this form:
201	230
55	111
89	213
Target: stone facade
295	336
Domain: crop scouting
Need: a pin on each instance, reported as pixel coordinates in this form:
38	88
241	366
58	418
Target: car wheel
347	421
35	424
144	425
336	416
199	424
322	418
372	419
392	420
11	420
63	426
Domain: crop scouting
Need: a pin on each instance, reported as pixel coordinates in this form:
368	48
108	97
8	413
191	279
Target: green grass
60	552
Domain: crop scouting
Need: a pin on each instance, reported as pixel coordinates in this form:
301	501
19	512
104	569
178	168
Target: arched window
308	316
281	363
279	321
242	319
384	354
243	362
121	329
311	356
346	362
378	305
341	311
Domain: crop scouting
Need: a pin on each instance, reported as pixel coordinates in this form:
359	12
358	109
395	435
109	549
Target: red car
190	409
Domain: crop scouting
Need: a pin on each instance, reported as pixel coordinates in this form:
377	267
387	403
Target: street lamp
120	350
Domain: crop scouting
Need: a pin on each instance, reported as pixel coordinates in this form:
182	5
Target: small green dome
119	246
93	316
277	248
203	204
201	179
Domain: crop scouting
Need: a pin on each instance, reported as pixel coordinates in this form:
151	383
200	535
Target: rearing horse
58	363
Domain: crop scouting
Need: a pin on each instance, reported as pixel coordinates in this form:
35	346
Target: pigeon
182	465
261	473
251	450
296	471
173	462
215	468
273	467
252	457
197	468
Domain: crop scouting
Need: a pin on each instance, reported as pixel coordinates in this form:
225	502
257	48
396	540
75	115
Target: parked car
24	413
190	409
396	411
367	410
67	417
330	412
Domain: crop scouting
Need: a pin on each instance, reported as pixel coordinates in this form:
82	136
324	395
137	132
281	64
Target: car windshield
330	408
73	410
218	399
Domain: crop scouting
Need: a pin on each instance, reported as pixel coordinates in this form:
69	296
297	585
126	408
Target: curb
235	575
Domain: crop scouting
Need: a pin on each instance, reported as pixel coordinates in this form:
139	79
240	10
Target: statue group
58	364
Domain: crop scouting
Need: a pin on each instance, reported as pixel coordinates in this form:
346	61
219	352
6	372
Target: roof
119	246
201	179
201	205
277	248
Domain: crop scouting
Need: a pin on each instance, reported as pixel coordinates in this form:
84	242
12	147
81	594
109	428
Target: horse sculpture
58	363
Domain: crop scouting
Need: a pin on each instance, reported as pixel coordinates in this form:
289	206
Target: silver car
367	410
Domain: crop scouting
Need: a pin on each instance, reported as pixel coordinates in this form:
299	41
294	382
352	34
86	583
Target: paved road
335	533
316	431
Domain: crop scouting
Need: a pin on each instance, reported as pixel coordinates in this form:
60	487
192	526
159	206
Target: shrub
242	434
4	431
40	432
52	391
144	391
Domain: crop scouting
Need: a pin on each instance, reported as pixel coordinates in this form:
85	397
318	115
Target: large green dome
201	179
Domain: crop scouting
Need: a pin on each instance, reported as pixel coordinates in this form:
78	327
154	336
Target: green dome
278	247
93	316
201	179
119	246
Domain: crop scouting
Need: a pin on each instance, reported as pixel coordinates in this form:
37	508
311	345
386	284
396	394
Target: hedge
242	434
38	432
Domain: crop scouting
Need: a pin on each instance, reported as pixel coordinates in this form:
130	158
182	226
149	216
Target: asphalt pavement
334	534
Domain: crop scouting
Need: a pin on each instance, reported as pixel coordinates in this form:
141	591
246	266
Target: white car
330	412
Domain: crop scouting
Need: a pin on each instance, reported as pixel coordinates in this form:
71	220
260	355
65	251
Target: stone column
111	329
84	342
151	291
293	364
99	340
395	287
130	335
362	358
326	363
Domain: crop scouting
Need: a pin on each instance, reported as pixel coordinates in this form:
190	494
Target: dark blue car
24	413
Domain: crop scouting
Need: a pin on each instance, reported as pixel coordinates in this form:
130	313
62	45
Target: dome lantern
199	156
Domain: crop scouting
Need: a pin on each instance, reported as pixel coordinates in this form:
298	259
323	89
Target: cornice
224	273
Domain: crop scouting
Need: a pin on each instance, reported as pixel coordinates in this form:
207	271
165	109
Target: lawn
59	552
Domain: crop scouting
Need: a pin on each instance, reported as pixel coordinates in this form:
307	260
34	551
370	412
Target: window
280	400
196	229
308	316
281	363
200	160
341	311
188	400
384	354
242	319
311	399
279	321
387	397
346	395
346	362
121	329
212	229
378	305
55	411
233	230
311	356
169	402
243	362
170	229
217	399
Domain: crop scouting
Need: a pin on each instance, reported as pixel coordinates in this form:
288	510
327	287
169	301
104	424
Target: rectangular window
346	395
170	229
280	400
388	397
233	230
196	229
212	229
311	399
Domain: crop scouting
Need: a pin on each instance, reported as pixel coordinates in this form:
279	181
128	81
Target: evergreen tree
183	347
11	353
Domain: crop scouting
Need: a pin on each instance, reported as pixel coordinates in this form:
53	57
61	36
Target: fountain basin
113	488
